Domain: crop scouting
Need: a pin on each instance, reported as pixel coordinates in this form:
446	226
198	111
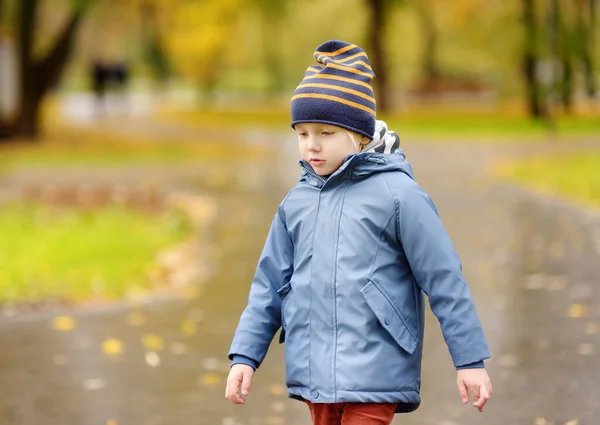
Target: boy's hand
239	374
477	382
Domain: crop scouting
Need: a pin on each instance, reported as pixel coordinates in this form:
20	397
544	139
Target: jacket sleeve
261	318
438	271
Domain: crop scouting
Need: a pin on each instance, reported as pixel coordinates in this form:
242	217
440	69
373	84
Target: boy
351	250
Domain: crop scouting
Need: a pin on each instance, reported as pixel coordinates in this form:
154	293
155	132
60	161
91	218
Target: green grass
574	176
75	255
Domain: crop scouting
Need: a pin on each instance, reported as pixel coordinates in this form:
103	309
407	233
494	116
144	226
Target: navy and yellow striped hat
337	90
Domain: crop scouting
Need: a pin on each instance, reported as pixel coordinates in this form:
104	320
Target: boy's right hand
239	374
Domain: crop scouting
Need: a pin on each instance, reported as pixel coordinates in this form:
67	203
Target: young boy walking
351	250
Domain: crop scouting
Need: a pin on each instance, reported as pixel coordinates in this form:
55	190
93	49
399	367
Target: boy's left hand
477	382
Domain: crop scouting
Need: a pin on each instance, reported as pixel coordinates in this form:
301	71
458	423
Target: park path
532	262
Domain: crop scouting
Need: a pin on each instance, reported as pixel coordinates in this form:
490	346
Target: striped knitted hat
338	90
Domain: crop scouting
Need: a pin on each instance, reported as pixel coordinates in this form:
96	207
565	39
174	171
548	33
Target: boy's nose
313	145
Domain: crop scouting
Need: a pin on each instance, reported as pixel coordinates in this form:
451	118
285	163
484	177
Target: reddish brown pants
352	413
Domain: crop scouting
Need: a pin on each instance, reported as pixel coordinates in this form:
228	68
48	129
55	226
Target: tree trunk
566	84
429	65
377	55
561	44
2	12
535	102
586	38
272	56
37	77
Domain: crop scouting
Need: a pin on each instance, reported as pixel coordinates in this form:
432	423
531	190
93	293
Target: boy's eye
301	134
326	133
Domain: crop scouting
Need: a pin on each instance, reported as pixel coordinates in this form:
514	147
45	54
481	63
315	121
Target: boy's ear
364	140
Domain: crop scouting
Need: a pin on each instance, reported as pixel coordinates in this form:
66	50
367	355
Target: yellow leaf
135	318
591	328
576	311
191	292
153	342
540	421
188	327
111	422
63	323
277	389
112	346
211	379
572	422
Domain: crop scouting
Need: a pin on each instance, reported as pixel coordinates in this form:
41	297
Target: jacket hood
382	154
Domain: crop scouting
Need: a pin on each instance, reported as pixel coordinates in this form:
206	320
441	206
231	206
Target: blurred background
145	146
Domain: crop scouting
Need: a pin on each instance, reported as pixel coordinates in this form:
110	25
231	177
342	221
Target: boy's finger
484	396
247	379
233	387
462	392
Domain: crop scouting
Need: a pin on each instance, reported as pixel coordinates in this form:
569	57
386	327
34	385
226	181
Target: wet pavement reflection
533	265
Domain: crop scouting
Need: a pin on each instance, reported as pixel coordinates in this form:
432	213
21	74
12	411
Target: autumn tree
380	11
38	74
201	36
530	61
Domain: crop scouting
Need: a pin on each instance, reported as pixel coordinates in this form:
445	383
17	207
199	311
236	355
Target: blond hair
356	139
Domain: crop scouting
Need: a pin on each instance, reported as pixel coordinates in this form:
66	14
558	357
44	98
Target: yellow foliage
201	35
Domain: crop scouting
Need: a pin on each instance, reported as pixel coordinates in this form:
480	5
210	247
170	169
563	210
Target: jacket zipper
314	174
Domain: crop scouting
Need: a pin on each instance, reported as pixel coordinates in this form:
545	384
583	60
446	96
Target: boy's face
324	146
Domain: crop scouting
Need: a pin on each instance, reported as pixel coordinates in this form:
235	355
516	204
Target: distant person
351	250
99	81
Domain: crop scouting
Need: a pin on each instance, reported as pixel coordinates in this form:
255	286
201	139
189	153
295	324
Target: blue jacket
343	272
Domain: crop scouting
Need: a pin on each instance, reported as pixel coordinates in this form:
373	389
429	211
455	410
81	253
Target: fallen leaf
576	311
591	328
540	421
60	359
585	349
556	283
94	384
195	315
542	343
278	407
84	343
63	323
178	348
152	359
135	318
210	364
153	342
111	422
112	346
508	361
191	291
277	389
274	420
534	281
211	379
572	422
188	327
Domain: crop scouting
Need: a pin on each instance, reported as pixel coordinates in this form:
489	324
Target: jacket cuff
239	359
475	365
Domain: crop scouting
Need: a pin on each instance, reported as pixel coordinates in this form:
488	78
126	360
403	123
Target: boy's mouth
315	162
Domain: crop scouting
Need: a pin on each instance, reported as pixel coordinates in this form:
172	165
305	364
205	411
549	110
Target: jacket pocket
284	294
389	316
